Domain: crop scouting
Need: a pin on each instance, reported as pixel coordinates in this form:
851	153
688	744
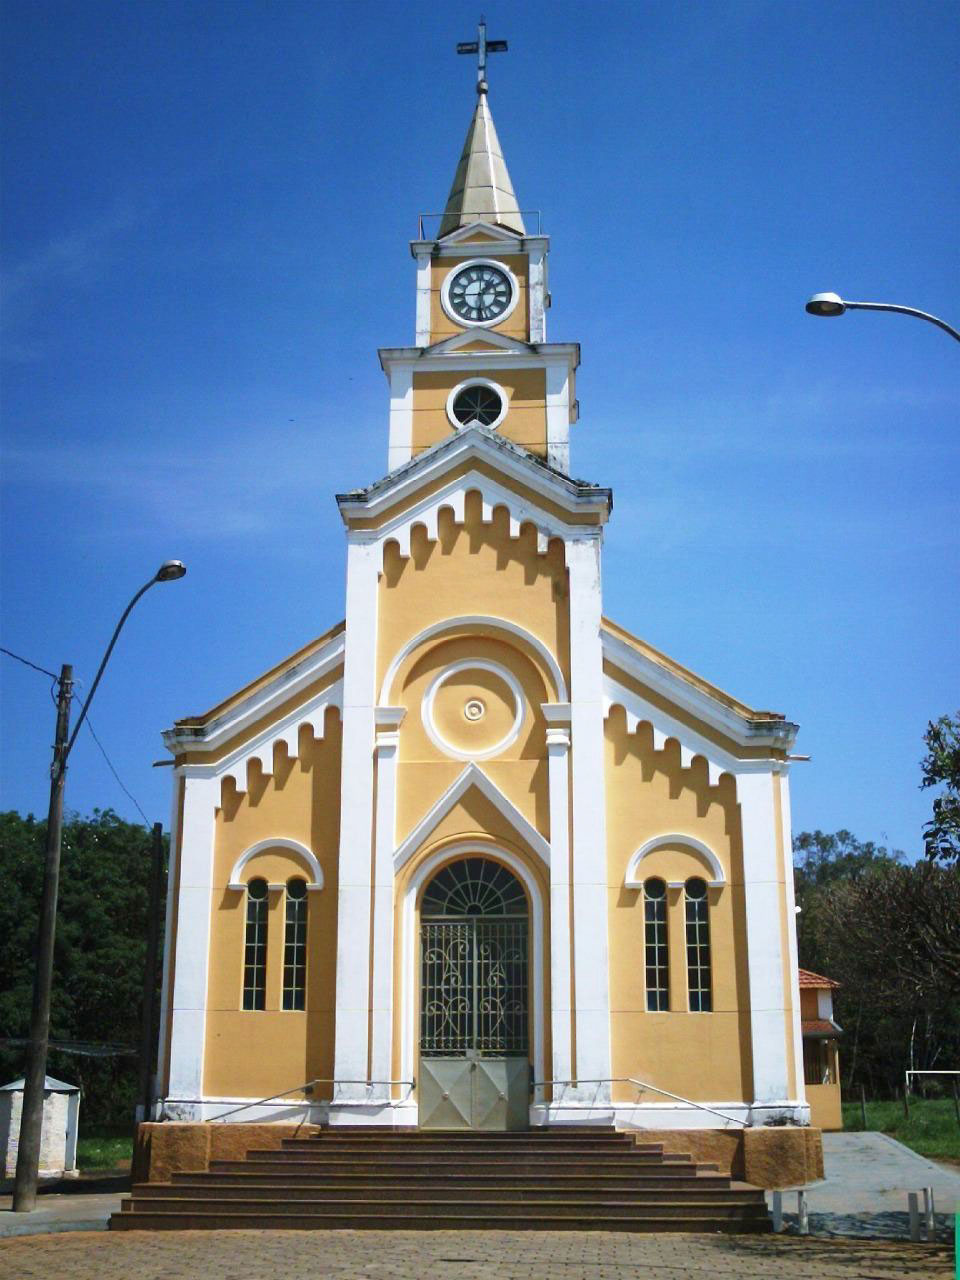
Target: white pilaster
388	721
561	1005
169	916
793	969
194	901
424	262
537	286
558	416
589	886
768	1019
356	816
400	447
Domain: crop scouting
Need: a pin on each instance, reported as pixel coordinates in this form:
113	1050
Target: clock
480	293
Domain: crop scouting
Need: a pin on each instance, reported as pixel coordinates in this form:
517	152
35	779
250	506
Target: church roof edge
482	440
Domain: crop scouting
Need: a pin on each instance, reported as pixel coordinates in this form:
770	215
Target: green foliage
105	1150
99	953
932	1129
941	767
889	932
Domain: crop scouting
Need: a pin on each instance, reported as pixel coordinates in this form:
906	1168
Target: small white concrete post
777	1211
928	1221
803	1216
912	1200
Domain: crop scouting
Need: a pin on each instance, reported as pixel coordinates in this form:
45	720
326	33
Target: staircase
575	1179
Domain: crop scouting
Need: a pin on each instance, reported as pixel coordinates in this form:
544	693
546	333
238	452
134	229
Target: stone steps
360	1178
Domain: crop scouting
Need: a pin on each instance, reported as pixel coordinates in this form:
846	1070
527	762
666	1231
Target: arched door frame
410	947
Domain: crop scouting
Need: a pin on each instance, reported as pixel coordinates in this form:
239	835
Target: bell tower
481	355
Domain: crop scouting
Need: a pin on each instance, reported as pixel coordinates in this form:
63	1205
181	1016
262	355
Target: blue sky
206	210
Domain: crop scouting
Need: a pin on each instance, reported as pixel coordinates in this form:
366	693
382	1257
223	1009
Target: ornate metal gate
473	999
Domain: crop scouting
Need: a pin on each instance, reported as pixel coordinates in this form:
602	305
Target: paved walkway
462	1255
864	1193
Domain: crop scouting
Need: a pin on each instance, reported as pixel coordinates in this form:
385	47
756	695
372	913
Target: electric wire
27	663
129	794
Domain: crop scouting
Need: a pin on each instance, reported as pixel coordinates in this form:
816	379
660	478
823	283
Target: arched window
255	946
698	945
295	945
655	944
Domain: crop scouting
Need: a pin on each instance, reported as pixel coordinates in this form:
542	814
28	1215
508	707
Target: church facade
477	856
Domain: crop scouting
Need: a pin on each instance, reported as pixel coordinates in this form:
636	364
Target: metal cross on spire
481	47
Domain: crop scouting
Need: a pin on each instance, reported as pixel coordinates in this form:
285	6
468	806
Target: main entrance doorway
474	1007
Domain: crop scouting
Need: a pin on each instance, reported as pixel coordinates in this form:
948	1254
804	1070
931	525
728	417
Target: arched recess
634	876
409	945
278	842
491	626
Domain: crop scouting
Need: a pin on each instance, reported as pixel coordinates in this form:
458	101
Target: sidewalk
84	1204
864	1193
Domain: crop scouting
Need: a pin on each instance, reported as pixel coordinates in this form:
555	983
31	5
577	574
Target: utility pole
150	975
31	1123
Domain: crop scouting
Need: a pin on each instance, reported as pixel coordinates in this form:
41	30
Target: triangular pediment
471	340
472	780
484	232
476	458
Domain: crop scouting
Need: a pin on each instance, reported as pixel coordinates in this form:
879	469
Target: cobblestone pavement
463	1255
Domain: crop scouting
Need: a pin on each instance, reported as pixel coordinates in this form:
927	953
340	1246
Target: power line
127	793
27	663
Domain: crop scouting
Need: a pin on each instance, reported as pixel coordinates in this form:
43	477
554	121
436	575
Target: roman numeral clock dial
480	294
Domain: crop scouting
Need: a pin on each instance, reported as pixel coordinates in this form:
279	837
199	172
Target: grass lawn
104	1149
932	1129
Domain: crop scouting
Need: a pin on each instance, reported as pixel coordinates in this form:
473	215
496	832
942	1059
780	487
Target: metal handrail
307	1088
644	1084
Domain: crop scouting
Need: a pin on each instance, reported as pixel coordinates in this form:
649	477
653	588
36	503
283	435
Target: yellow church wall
254	1053
425	771
515	325
539	962
472	569
526	419
702	1056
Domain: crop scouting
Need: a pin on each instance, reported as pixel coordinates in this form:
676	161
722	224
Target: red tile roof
808	979
820	1027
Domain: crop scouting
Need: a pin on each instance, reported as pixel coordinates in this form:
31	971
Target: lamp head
170	570
826	304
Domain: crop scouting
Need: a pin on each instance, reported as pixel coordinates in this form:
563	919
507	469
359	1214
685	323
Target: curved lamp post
831	304
31	1120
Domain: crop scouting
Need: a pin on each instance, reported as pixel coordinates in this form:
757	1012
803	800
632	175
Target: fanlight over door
474	1024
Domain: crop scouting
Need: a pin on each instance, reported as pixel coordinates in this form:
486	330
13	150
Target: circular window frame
473	664
479	324
477	382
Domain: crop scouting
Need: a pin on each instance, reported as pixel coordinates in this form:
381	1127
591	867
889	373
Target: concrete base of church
768	1157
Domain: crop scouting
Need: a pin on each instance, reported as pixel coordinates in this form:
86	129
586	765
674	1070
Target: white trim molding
472	776
634	879
278	842
452	274
473	664
486	623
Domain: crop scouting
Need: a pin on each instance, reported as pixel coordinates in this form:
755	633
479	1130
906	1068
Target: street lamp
831	304
31	1120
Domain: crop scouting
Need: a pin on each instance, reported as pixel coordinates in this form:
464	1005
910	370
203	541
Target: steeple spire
482	190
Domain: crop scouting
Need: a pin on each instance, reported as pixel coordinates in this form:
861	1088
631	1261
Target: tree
889	932
941	766
99	954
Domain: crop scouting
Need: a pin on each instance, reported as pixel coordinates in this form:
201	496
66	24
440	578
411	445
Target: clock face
480	293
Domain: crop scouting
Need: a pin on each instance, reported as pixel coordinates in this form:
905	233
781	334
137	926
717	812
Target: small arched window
655	944
698	945
255	946
295	945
